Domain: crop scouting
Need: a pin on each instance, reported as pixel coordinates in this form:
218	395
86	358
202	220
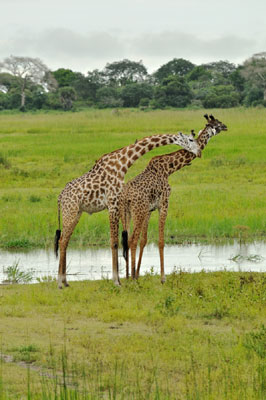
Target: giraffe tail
125	244
57	233
56	241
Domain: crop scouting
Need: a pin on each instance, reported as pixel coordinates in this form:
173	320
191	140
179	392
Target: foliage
26	83
176	67
67	94
254	70
64	77
221	96
223	68
253	96
173	92
15	275
124	72
108	97
87	86
28	71
131	94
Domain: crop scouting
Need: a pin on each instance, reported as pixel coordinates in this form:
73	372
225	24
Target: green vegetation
126	83
199	336
15	275
220	196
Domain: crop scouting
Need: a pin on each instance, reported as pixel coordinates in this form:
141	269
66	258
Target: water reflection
96	263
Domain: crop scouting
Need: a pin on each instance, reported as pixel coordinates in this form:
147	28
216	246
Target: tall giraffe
99	189
149	191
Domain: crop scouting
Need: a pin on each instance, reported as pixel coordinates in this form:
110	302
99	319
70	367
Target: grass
199	336
218	193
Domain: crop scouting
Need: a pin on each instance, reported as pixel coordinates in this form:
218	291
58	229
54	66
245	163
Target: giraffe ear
193	133
207	117
212	117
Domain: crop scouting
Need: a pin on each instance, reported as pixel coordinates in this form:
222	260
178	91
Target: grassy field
199	336
220	196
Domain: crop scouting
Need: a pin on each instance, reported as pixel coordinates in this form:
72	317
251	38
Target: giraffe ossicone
100	188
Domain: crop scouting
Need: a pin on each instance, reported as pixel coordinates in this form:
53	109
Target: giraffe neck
126	156
170	163
204	136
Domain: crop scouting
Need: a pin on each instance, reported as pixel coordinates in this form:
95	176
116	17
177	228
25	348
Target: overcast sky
85	34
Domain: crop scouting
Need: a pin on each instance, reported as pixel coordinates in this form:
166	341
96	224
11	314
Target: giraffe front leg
162	219
138	223
69	223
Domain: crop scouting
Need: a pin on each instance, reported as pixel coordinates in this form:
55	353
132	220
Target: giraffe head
188	143
216	125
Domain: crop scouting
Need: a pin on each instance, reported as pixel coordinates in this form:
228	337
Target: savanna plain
198	336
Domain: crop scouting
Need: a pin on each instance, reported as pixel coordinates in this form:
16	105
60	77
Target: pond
96	263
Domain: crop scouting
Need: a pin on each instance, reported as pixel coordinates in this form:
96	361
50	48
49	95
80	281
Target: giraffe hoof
162	281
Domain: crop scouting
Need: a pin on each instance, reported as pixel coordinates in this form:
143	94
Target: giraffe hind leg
143	242
138	223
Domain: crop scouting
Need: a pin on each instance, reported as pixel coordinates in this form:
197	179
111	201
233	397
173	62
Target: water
96	263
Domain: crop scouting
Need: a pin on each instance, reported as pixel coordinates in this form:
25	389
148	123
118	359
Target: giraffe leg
138	223
114	224
162	219
143	242
69	223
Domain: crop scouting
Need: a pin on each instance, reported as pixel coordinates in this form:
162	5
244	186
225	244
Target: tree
64	77
176	67
132	94
7	81
108	97
67	95
87	86
225	68
28	71
123	72
253	96
199	73
173	92
238	80
254	70
221	96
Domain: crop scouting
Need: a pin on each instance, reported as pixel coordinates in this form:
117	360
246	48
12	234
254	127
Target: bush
132	94
108	97
173	92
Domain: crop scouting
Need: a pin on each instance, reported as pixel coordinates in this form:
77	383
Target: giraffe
99	189
149	191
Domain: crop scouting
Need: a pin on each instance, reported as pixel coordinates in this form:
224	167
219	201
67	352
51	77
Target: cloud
61	47
66	43
178	44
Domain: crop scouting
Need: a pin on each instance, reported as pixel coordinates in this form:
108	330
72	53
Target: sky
84	35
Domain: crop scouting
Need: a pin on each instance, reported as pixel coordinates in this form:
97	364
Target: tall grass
199	336
43	151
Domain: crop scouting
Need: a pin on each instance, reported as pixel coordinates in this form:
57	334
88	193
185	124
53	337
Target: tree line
28	84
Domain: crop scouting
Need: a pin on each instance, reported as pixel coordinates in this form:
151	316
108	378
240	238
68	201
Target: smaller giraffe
149	191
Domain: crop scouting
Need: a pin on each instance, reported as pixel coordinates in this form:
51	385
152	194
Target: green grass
41	152
198	336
